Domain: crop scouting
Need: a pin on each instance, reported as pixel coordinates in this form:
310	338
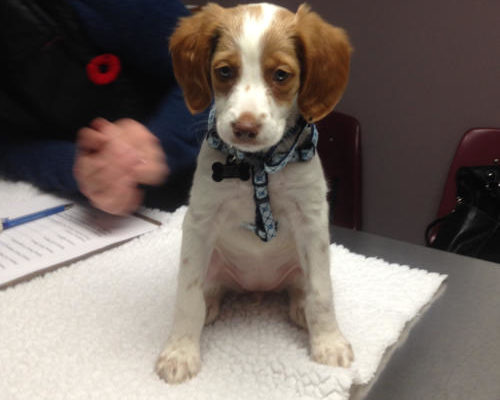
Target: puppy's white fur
217	253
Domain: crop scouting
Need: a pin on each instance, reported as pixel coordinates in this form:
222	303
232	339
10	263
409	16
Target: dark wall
423	72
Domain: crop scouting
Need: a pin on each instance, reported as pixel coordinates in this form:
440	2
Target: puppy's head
263	65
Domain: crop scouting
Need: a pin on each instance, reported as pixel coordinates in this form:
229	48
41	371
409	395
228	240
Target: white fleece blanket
93	330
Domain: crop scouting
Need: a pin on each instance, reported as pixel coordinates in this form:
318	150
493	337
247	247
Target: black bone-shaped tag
230	170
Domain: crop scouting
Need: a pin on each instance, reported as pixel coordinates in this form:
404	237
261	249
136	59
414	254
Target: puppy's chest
241	260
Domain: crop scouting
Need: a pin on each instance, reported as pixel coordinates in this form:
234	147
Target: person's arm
107	164
107	23
179	132
48	163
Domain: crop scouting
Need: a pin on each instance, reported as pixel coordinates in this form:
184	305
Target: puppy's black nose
246	127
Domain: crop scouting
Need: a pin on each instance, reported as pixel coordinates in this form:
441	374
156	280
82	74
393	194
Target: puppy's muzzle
246	128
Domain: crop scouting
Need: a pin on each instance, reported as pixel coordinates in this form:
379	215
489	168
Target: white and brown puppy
264	67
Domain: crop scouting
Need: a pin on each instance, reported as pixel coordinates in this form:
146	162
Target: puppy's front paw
179	361
332	349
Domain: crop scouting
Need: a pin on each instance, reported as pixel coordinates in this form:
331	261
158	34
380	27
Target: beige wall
423	72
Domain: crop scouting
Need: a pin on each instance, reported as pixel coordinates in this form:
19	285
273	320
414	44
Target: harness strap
264	163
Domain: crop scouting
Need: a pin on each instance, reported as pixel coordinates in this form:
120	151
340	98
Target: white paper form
47	242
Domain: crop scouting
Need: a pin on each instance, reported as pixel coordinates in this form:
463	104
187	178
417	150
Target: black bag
473	227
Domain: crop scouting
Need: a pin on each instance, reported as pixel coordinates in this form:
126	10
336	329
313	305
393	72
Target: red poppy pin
104	69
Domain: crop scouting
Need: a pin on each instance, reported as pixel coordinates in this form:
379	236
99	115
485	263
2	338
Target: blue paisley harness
260	164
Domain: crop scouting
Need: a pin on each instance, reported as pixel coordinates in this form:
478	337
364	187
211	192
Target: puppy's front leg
180	360
328	345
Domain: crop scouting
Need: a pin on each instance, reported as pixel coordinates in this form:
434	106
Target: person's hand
113	159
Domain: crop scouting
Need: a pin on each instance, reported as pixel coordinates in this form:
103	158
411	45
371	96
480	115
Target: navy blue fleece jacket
137	31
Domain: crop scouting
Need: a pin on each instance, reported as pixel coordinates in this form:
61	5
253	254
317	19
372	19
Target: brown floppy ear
325	53
191	47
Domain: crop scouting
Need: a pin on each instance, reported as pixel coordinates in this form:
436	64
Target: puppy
258	216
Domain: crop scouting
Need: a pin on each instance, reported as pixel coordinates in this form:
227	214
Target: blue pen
10	223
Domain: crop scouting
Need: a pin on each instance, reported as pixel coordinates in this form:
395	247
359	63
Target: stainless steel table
452	351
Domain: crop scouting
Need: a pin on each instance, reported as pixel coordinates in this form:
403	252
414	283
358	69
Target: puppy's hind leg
213	297
297	299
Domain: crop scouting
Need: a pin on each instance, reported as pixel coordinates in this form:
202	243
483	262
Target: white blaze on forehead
255	24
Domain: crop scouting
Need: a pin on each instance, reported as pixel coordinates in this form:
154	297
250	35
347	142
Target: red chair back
339	148
479	146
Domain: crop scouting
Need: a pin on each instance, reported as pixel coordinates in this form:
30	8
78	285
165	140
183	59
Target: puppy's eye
280	75
224	72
